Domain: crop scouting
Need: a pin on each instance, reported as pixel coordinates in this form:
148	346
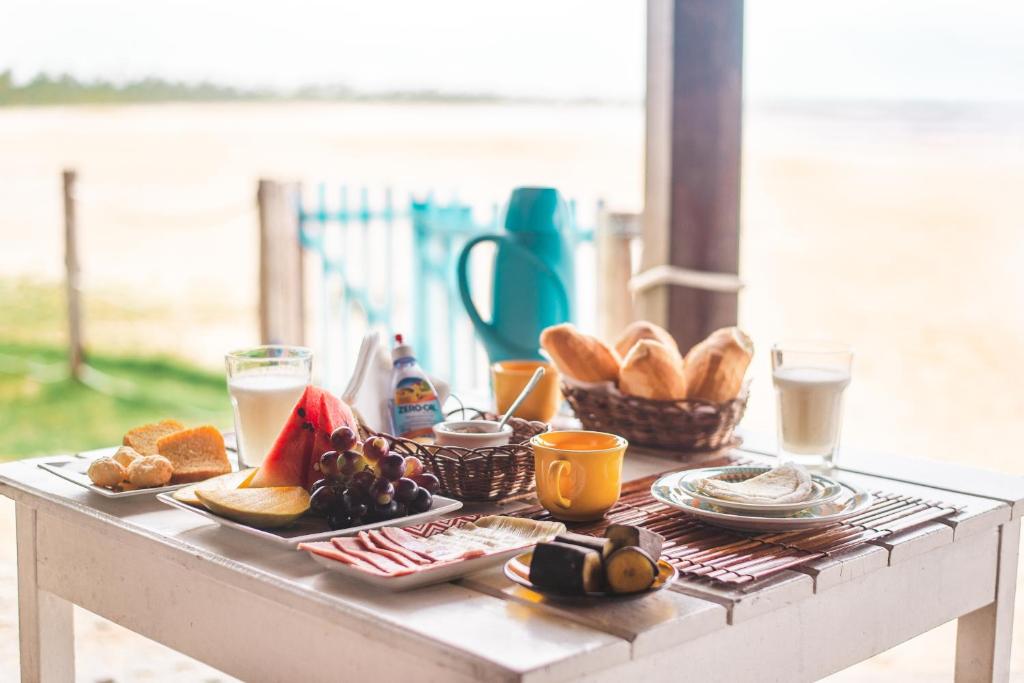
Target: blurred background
882	156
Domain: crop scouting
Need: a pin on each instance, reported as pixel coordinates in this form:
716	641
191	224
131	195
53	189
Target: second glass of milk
809	379
265	383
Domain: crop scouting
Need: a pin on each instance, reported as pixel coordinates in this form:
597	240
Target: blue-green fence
389	264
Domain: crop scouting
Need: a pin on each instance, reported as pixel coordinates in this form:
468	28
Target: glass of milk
265	383
809	379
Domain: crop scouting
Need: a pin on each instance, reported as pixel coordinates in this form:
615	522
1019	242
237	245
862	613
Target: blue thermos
533	274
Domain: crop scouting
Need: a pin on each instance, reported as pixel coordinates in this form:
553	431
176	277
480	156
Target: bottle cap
401	350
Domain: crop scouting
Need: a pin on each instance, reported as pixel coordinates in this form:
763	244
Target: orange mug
579	473
510	376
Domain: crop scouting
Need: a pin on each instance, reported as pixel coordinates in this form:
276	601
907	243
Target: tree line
45	89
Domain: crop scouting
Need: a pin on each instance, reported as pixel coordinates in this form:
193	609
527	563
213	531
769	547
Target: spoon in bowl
520	398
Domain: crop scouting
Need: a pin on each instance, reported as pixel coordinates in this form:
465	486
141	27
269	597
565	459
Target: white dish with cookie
74	468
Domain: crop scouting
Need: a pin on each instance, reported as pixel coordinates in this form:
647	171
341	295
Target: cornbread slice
196	454
143	439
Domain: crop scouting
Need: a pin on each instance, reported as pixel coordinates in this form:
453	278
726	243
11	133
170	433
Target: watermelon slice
295	458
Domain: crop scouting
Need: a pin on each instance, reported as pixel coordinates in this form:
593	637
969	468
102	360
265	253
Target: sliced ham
433	547
394	551
383	541
408	541
329	550
352	546
371	546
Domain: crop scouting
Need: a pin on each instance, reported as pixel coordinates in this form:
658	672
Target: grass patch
34	312
43	412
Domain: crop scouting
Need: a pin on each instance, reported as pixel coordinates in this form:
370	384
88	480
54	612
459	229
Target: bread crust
150	471
106	472
580	356
143	439
652	371
196	454
126	455
643	329
714	368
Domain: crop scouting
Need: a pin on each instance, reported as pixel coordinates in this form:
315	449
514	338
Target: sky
806	49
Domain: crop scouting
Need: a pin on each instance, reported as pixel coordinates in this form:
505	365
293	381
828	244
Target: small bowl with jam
472	433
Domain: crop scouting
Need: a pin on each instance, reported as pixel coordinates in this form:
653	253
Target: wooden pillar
615	235
694	106
282	315
72	276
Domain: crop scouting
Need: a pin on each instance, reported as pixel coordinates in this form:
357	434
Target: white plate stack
831	501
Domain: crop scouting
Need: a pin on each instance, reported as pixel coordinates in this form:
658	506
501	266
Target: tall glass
809	379
265	383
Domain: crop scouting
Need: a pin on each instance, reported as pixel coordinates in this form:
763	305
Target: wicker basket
480	474
686	425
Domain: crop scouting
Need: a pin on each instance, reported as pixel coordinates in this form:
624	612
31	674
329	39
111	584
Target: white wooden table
261	613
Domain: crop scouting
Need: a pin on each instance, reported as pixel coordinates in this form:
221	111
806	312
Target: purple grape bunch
368	482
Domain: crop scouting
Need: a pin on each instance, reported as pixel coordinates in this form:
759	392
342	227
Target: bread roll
578	355
150	471
106	472
715	367
652	371
641	329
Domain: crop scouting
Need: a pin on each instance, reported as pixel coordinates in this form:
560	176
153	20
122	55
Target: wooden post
72	277
615	234
282	318
691	212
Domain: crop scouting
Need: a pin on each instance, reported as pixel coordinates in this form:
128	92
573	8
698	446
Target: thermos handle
462	270
462	273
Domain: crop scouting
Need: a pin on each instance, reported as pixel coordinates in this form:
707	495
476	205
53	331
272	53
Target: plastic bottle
415	406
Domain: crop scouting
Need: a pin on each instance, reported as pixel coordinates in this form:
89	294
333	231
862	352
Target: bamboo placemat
704	552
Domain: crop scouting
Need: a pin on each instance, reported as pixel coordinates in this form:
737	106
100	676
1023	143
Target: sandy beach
897	230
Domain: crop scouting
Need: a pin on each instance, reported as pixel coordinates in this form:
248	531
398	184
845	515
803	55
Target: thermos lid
536	209
401	350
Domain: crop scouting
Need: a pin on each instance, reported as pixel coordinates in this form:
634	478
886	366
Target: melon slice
294	459
265	508
231	480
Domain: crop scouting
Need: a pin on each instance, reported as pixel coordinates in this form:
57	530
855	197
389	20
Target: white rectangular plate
74	469
310	528
423	577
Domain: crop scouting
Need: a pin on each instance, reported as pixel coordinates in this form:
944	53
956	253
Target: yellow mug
510	376
579	474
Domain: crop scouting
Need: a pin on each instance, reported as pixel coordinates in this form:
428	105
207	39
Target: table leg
45	622
984	636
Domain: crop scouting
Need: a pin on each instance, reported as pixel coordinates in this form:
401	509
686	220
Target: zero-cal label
416	408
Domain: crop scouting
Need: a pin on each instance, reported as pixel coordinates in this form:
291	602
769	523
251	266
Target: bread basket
684	425
480	474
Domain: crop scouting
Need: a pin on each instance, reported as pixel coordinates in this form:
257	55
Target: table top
486	626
